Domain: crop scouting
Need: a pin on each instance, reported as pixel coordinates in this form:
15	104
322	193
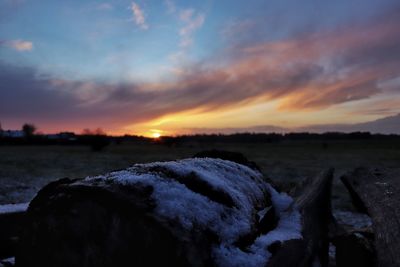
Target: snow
8	261
11	208
262	213
354	219
289	227
194	211
332	251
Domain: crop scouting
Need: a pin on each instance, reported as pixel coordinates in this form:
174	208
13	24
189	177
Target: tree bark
377	192
314	204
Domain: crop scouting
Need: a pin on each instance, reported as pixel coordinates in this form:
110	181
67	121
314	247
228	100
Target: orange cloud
19	45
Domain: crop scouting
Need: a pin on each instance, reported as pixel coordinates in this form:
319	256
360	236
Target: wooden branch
314	204
377	192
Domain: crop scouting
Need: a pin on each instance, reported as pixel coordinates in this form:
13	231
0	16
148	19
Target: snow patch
354	219
262	213
8	261
289	227
12	208
194	211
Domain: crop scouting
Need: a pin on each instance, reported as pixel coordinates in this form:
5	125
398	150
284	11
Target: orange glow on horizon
153	133
156	135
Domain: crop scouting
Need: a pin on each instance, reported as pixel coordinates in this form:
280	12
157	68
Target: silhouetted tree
96	139
97	131
1	134
29	130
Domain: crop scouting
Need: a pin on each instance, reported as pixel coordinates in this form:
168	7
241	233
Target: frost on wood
212	206
354	219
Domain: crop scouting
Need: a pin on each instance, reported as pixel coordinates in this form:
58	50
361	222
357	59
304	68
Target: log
352	236
314	204
193	212
377	193
227	155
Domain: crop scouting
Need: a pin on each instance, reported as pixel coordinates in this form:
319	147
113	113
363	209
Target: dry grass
25	169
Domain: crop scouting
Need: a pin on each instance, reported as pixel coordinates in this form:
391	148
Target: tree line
97	139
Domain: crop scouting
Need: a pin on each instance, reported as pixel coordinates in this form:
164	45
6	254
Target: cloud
192	22
138	16
306	72
171	7
235	28
18	45
105	6
25	96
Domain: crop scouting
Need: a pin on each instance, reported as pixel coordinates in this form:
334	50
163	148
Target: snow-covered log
377	192
314	204
193	212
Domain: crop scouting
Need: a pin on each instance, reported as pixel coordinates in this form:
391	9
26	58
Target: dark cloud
24	95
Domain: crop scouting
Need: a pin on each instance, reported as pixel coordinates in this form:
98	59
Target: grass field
25	169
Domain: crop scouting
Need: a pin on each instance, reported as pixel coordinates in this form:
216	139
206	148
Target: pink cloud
18	45
192	22
138	16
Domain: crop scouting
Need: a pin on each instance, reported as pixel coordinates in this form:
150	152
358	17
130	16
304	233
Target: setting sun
156	135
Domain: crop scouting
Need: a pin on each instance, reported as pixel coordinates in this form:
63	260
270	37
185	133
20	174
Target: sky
171	67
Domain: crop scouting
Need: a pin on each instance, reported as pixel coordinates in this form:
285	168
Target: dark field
25	169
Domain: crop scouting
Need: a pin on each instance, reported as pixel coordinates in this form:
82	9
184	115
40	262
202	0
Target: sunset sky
171	67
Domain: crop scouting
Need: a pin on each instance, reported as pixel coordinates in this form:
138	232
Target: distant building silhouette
13	133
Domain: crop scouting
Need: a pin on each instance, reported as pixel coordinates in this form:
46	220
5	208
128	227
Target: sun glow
156	135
